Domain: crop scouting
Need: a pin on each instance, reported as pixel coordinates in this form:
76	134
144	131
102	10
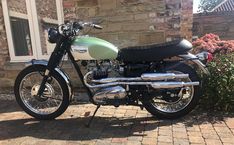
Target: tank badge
80	49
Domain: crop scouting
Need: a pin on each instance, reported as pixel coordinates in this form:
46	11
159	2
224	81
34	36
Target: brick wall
4	54
45	9
220	23
134	22
17	6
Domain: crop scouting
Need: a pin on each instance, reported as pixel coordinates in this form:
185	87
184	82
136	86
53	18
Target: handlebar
73	28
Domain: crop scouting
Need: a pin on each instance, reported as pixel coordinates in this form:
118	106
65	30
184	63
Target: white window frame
32	18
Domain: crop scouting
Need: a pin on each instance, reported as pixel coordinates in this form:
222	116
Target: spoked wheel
53	101
174	103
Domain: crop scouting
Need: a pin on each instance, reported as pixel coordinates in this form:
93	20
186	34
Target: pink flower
213	44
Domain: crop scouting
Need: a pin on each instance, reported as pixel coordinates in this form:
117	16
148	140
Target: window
21	37
26	23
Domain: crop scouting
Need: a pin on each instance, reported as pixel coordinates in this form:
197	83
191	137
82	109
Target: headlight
53	35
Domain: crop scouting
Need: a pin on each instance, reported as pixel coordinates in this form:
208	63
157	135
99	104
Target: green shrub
218	87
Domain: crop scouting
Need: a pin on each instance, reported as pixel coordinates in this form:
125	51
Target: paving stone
210	136
165	132
120	111
131	113
164	143
227	140
88	142
194	134
139	115
213	142
165	127
230	122
149	141
179	141
151	134
133	143
16	127
196	139
119	140
193	128
210	131
135	138
179	125
225	135
232	131
27	141
113	143
228	143
167	139
68	142
206	126
180	135
219	124
43	142
7	142
180	129
102	142
222	129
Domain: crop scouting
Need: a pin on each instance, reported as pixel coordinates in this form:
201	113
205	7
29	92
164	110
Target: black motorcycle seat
154	52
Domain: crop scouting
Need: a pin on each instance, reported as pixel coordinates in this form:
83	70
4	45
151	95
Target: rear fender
58	70
196	61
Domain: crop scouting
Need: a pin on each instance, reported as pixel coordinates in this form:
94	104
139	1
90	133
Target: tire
60	81
150	107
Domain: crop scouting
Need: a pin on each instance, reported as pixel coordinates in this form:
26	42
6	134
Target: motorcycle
143	76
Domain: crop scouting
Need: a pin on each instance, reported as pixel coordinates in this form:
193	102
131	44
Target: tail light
209	57
205	57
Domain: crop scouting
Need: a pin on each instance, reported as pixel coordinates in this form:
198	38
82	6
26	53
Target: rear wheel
53	101
174	103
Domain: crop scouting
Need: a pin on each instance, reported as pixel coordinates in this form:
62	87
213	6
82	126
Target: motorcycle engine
105	69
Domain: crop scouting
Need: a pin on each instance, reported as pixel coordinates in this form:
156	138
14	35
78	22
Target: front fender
196	61
58	70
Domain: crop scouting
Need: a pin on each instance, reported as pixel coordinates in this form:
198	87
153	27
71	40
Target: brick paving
125	125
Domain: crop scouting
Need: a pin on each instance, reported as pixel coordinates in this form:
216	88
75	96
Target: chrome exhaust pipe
145	77
138	81
163	76
170	85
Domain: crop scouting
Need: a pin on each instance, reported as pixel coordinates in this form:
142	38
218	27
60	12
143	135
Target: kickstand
91	119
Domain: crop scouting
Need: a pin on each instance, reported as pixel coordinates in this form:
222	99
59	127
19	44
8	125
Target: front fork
53	62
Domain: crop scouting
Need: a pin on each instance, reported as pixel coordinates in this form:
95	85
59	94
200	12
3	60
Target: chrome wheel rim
183	102
51	98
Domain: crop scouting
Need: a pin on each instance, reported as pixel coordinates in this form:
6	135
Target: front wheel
53	101
175	103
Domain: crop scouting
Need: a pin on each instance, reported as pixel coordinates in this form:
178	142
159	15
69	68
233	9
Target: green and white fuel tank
92	48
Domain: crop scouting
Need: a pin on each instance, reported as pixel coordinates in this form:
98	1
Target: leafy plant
218	87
